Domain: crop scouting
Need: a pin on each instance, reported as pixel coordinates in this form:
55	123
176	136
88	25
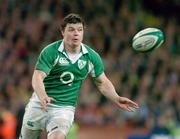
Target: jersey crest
81	64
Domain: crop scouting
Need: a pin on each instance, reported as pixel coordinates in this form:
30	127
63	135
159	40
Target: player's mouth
75	40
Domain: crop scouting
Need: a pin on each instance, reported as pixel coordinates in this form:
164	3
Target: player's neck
72	49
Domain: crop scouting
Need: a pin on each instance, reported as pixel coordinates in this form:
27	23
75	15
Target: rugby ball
147	39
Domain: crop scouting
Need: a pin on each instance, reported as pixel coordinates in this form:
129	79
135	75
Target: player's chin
77	43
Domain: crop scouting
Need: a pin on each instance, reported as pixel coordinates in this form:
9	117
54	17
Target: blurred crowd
151	79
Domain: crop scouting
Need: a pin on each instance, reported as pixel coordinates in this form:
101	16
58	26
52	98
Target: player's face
73	34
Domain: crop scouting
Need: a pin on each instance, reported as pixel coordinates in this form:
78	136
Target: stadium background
151	79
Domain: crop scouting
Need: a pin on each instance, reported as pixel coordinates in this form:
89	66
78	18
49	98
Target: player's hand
45	101
126	104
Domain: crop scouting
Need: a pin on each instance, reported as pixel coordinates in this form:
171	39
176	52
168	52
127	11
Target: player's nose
76	32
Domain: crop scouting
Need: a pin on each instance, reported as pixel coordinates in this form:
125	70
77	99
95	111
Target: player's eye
80	29
71	29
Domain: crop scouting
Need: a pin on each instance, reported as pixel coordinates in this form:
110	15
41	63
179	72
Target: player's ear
62	32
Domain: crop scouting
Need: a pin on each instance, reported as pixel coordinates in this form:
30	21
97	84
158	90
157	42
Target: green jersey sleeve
45	60
96	65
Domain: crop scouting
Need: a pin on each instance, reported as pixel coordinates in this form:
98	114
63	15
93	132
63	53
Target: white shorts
56	118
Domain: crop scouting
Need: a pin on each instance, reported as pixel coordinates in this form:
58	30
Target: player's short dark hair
71	19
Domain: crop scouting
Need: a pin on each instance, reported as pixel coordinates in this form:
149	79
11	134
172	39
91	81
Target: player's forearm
37	83
108	90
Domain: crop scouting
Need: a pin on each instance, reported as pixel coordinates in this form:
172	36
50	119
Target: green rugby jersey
64	78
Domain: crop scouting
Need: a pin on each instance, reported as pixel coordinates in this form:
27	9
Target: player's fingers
130	109
45	108
127	108
44	105
133	104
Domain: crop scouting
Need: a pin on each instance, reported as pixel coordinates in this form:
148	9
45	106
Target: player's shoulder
90	50
93	56
52	47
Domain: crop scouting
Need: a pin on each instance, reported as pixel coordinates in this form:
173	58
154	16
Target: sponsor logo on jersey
63	61
81	64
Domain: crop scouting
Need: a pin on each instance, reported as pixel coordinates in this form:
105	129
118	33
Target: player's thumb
52	99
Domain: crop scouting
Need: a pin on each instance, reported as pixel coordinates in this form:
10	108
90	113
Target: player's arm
38	86
105	86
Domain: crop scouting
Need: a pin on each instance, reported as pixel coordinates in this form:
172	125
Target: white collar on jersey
61	48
